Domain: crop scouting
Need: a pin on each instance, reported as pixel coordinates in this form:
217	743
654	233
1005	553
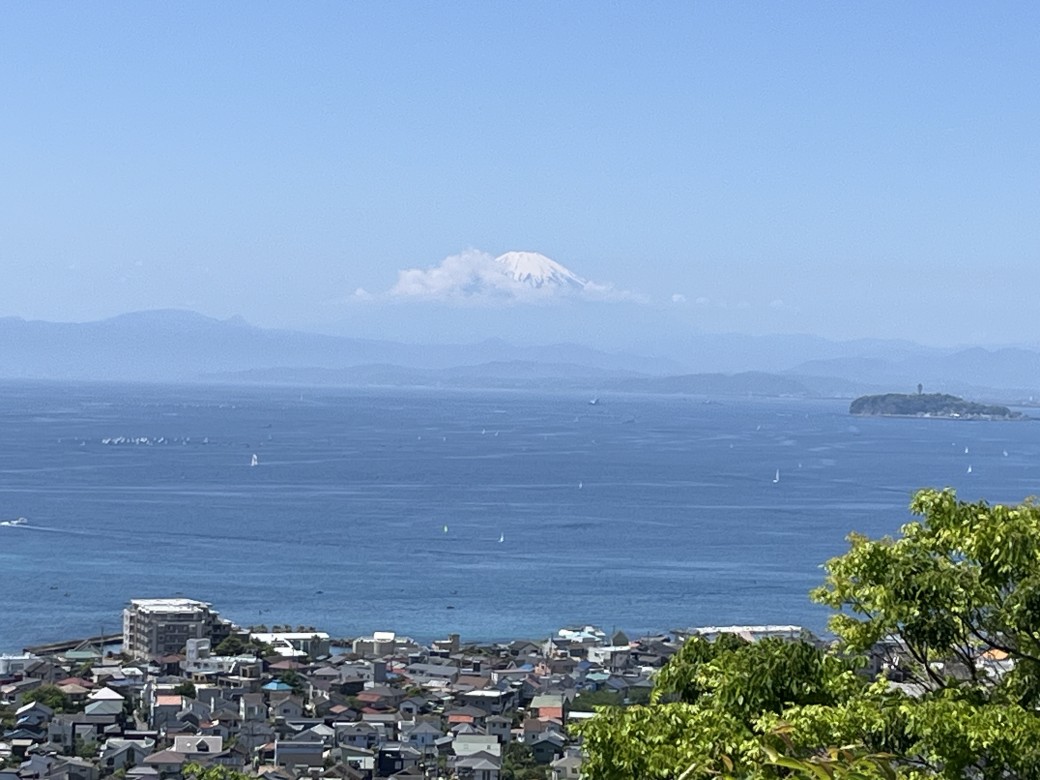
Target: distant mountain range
185	346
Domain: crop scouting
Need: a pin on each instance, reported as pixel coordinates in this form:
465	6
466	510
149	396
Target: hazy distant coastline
182	346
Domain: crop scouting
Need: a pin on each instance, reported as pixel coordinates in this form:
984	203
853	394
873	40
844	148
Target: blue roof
277	685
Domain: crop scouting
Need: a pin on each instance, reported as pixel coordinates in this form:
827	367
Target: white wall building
153	627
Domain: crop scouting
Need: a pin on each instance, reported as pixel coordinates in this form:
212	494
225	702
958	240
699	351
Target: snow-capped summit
537	270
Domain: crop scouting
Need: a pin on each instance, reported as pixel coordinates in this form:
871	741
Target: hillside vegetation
929	405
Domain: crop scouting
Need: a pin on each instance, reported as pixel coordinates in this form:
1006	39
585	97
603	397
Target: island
929	405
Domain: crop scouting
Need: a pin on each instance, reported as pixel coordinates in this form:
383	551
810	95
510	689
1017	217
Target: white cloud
466	276
678	298
475	277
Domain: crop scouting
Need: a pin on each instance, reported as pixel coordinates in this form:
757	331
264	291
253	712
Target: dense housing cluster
190	688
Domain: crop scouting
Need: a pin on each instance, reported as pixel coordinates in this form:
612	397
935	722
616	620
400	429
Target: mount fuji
536	270
475	276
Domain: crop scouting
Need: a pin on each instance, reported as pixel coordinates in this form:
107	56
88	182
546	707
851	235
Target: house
193	745
252	734
18	742
164	709
288	707
105	694
167	763
70	768
567	767
292	754
359	758
471	715
422	735
124	753
478	766
522	648
549	705
411	707
501	727
104	707
360	735
45	670
14	665
533	728
381	697
547	747
12	693
251	706
394	757
341	771
432	674
611	657
317	733
76	693
468	744
33	716
36	766
67	729
491	700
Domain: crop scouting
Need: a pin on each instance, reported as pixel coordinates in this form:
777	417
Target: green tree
704	715
186	688
292	679
215	772
236	644
50	696
518	763
959	588
84	749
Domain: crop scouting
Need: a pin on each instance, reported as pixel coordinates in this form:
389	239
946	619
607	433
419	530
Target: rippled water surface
639	512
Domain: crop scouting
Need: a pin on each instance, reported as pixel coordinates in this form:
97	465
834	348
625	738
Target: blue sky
841	169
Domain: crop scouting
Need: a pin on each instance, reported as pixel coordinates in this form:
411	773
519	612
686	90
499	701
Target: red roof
75	681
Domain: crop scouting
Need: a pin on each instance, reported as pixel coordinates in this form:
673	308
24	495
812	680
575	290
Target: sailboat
501	538
777	477
445	528
255	461
969	469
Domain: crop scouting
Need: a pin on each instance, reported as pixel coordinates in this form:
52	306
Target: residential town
188	688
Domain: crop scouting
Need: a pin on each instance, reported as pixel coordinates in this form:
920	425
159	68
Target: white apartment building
153	627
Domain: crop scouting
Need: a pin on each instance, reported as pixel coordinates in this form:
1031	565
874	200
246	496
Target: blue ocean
493	514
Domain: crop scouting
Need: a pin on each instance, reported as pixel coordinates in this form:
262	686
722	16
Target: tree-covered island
929	405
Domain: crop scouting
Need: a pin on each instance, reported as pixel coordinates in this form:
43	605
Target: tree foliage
951	609
235	644
518	763
197	771
50	696
293	680
588	701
